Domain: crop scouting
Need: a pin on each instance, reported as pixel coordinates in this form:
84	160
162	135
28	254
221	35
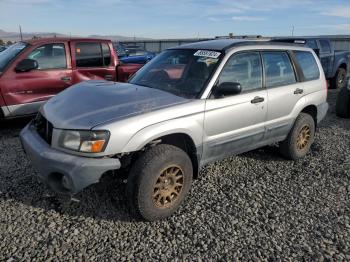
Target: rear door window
89	55
50	56
308	65
245	69
278	69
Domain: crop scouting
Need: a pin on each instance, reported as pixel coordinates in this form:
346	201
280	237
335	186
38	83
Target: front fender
191	126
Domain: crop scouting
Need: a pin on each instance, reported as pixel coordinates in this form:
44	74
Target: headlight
84	141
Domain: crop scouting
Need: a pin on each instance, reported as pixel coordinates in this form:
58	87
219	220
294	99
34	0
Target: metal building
340	42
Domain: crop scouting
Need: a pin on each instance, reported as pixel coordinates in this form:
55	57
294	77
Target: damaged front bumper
64	173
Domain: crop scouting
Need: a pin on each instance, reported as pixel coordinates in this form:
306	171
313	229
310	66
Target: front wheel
159	181
300	138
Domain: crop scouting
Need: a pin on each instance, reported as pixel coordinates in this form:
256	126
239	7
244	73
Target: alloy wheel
168	186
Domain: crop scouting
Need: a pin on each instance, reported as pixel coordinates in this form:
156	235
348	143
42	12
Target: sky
177	18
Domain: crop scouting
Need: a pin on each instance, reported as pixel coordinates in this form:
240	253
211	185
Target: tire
304	126
339	80
342	108
162	165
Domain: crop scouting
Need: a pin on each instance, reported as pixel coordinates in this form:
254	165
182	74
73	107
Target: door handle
109	77
298	91
66	78
257	99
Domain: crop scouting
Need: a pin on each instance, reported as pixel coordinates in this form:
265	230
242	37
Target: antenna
20	32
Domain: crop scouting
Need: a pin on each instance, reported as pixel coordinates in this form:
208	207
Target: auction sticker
207	53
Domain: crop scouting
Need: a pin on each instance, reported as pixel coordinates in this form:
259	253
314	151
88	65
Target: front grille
43	127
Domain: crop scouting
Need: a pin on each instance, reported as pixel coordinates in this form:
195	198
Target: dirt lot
253	206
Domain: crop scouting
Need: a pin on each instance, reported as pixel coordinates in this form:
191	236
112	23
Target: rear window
278	69
308	65
312	44
92	54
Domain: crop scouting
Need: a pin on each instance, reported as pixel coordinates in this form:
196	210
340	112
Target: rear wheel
300	138
159	181
339	80
342	107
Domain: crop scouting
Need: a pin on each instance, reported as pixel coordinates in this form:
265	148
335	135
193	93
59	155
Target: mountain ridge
13	36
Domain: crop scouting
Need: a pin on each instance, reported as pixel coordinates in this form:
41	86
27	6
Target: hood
91	103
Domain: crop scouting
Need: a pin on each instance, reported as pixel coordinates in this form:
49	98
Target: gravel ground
254	206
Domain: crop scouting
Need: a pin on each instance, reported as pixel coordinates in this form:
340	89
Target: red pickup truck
33	71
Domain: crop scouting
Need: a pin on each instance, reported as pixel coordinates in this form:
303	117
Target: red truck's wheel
159	181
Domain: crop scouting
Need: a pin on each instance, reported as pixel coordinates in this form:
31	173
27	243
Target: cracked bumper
63	172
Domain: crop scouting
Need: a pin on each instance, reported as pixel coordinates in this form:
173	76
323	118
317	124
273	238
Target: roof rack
231	36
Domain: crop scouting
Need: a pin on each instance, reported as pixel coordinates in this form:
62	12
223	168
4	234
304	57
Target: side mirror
228	89
27	65
317	51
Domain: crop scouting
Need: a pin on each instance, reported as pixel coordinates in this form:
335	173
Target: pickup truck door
236	123
93	60
26	91
326	57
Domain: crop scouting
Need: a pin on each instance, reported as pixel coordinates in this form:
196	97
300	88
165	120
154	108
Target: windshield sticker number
206	53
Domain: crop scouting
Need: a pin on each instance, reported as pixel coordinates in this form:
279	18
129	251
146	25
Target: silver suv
189	106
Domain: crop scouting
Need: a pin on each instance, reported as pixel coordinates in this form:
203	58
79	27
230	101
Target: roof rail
231	36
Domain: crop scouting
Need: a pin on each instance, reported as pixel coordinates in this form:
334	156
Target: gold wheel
168	186
303	137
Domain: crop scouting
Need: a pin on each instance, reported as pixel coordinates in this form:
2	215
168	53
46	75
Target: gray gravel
254	206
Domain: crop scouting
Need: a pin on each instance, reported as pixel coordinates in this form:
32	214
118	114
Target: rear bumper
322	111
64	173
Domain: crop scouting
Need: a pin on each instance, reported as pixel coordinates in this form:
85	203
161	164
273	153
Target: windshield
180	72
10	53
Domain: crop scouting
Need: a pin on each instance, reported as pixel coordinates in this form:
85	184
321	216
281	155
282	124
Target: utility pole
293	30
20	32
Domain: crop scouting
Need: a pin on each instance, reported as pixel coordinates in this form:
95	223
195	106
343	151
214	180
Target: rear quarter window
308	65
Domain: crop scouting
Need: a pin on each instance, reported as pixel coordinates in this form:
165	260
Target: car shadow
105	200
267	153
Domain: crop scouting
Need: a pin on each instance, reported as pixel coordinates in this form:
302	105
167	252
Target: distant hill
12	36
